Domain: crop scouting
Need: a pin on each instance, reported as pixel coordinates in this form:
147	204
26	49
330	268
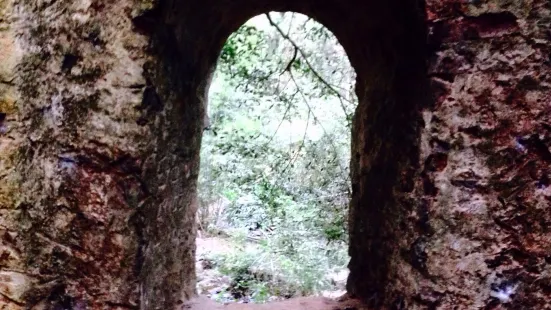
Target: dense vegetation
274	167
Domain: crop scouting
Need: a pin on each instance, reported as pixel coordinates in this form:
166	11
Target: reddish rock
102	107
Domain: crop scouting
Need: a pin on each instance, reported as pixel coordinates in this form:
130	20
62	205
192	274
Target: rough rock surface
485	211
71	87
101	114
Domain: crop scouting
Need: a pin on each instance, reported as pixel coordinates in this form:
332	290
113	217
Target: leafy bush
275	162
277	267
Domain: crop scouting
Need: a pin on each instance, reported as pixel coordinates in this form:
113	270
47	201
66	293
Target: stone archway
100	126
387	52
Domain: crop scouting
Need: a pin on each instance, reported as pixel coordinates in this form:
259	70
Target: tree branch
311	111
304	56
288	67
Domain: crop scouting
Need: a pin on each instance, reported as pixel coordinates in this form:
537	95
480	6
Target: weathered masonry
101	109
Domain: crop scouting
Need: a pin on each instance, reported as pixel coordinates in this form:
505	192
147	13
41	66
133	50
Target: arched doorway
274	185
101	107
386	50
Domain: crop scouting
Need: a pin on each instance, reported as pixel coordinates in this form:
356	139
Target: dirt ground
304	303
219	245
209	279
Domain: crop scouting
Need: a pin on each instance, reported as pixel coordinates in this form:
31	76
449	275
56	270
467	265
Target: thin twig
289	105
304	56
320	124
288	67
291	23
294	158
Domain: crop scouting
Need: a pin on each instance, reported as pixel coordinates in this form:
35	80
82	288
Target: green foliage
277	154
273	268
240	50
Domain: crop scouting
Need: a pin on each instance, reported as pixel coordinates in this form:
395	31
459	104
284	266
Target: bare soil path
303	303
220	245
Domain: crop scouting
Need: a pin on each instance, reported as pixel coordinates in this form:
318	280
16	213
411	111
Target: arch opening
385	46
102	122
274	185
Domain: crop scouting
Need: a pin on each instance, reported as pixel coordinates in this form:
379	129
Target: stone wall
485	211
71	87
101	115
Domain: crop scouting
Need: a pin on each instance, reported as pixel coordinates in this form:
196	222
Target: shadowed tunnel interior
385	44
